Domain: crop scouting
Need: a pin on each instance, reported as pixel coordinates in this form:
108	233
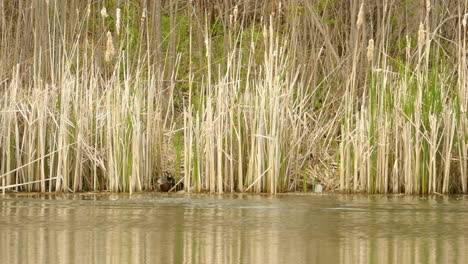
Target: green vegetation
226	96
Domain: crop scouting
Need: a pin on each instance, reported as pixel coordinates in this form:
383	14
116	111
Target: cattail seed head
117	21
421	35
110	51
465	19
360	18
408	46
104	12
370	50
235	13
428	5
143	14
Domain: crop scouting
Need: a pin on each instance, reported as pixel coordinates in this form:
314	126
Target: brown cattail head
360	18
110	51
104	12
117	21
370	50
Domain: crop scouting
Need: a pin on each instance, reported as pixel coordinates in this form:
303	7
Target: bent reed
234	96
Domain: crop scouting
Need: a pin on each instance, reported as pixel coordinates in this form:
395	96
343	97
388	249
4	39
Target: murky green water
151	228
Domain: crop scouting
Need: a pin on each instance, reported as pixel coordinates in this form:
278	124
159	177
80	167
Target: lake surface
173	228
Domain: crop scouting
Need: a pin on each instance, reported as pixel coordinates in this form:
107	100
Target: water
149	228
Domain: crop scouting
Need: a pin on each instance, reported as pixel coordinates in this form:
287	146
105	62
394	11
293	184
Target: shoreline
181	193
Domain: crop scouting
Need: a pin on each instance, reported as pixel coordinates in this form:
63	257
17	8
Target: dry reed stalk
277	119
463	153
449	124
408	162
433	143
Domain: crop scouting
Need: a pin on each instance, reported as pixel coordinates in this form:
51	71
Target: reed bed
234	96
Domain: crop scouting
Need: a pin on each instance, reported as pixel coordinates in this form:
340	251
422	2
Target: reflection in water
232	229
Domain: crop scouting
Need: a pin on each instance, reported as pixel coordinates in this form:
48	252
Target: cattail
421	35
235	13
408	46
143	16
117	21
370	50
428	5
104	12
465	18
110	51
360	18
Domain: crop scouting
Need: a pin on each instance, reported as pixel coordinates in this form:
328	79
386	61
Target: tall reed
357	96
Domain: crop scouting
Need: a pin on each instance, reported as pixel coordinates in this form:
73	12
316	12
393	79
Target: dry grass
234	96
